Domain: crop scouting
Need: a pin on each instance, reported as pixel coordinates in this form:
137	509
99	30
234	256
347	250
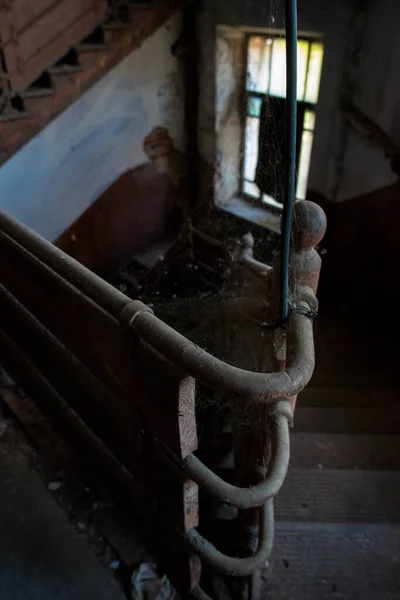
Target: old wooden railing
121	384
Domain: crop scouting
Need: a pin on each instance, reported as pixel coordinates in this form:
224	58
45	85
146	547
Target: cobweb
196	288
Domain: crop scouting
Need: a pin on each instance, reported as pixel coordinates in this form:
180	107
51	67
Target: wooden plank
345	451
346	420
332	496
49	38
348	397
25	12
334	561
13	136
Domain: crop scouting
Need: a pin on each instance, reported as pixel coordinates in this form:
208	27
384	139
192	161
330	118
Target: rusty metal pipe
73	365
257	495
104	294
229	565
260	387
218	375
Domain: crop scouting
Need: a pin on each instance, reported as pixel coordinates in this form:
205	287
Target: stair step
330	495
113	29
12	115
138	11
348	397
91	48
345	451
114	25
328	561
65	70
88	53
364	376
34	93
346	420
61	74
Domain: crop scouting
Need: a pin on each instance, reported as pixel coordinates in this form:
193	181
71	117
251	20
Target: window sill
258	215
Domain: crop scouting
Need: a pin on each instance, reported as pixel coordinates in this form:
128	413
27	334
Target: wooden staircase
338	513
24	113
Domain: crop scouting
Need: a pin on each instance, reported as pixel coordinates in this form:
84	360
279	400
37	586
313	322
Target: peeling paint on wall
82	152
229	78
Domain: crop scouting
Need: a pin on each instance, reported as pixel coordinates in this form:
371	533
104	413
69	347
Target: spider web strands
290	173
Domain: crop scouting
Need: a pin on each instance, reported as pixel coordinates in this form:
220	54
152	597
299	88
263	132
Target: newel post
309	226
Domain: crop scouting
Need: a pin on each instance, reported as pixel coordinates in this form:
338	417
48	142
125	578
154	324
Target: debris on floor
148	584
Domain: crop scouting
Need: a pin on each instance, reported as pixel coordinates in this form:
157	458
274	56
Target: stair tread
345	451
91	47
330	495
325	561
348	396
346	420
115	25
38	92
65	69
13	116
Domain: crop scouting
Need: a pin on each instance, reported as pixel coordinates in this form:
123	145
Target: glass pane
302	59
314	72
278	68
258	64
251	189
251	148
254	106
304	164
277	85
309	120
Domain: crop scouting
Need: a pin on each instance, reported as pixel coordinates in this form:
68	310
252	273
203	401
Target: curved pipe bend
261	387
257	495
218	375
229	565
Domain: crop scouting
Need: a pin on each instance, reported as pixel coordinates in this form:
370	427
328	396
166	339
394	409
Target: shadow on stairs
338	513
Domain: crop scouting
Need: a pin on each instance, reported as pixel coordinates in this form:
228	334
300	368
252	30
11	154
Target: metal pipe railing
229	565
136	318
257	495
212	372
220	376
101	292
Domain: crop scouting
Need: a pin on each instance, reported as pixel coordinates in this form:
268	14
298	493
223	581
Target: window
265	95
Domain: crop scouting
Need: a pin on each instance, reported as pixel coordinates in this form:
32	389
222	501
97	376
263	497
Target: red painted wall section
136	210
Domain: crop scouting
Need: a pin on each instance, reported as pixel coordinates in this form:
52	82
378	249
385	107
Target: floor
42	555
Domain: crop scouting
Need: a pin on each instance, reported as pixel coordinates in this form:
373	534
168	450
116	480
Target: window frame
247	94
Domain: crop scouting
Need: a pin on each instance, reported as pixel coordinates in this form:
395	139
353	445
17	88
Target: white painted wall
65	168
